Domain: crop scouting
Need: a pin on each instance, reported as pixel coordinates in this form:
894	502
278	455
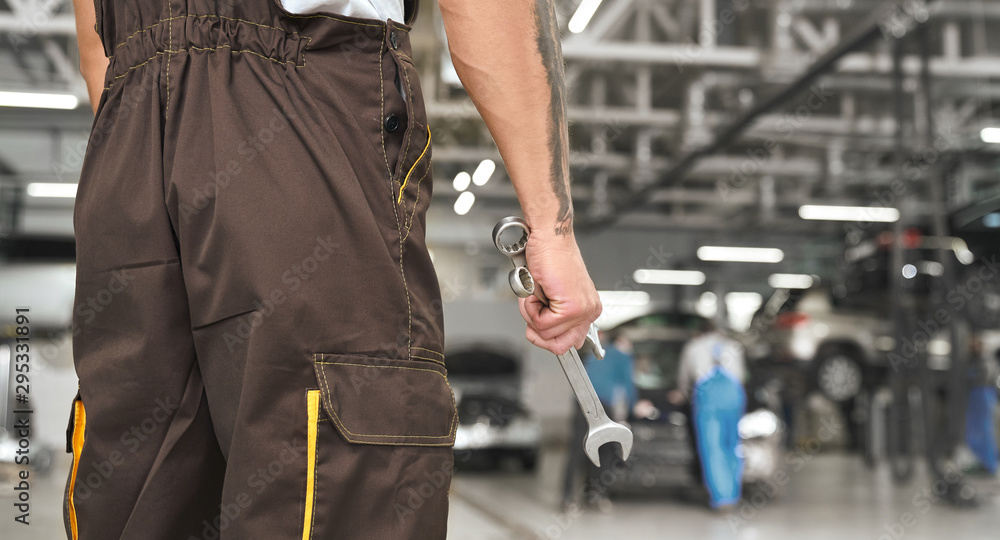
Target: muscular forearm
93	63
509	59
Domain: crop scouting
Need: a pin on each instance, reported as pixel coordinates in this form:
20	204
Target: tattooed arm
508	56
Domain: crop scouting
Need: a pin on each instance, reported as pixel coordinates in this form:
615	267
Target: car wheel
839	377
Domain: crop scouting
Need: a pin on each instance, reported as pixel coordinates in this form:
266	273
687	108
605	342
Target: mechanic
261	172
612	378
710	377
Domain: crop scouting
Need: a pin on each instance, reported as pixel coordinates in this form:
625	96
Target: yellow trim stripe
421	156
312	403
79	426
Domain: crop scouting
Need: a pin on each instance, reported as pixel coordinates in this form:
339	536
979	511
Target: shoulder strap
410	8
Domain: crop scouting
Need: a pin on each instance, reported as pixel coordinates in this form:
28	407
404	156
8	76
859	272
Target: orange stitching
170	44
137	32
434	371
192	47
399	230
430	351
337	420
381	94
425	358
171	18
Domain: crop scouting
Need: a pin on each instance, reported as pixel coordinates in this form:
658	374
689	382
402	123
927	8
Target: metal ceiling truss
690	114
683	114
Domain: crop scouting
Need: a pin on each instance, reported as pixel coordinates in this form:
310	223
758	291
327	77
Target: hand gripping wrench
601	429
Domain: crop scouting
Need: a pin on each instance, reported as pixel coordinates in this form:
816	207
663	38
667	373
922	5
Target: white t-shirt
702	353
368	9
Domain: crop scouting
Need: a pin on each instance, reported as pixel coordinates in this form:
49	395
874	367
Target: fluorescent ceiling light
461	181
38	189
744	299
990	135
790	281
668	277
849	213
740	254
483	172
464	203
38	101
624	298
582	16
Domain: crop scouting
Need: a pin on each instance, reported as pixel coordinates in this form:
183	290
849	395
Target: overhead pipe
868	32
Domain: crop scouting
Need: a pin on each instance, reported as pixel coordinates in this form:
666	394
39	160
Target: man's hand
556	266
509	58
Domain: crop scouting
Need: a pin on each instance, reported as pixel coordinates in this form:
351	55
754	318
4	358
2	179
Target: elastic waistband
285	40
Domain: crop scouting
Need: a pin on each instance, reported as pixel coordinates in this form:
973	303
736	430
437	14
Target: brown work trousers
258	330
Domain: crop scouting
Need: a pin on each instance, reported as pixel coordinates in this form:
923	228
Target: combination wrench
601	429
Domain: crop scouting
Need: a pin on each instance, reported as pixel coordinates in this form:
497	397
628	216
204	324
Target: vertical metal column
939	449
899	427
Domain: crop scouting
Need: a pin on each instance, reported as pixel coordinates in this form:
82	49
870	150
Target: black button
391	123
393	40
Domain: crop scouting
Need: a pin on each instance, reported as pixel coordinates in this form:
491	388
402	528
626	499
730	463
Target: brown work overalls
258	328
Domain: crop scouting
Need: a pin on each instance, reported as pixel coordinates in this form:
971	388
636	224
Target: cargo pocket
75	434
387	401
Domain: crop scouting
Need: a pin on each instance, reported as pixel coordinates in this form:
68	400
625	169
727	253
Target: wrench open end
609	432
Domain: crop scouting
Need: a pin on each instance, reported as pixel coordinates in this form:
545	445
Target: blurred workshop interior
810	186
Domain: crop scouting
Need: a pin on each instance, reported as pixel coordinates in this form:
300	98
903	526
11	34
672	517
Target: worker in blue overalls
710	376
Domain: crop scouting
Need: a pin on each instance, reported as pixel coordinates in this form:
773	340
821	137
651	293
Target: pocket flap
387	401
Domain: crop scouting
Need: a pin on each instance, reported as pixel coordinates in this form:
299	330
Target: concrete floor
830	497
